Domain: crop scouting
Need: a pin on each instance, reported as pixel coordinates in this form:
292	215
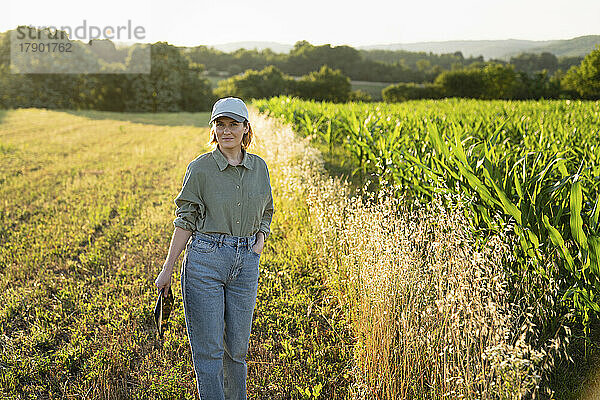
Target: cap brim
231	115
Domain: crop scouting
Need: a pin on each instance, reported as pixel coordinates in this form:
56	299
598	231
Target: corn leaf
559	242
576	200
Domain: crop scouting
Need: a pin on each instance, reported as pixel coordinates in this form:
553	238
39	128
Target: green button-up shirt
217	197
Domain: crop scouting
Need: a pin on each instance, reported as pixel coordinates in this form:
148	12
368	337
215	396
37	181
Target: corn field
528	168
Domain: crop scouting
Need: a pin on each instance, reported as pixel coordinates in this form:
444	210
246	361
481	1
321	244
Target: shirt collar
222	162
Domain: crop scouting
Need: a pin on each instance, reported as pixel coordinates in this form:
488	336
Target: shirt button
238	186
237	222
239	204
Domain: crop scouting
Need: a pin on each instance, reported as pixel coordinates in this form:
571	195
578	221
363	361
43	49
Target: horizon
320	43
387	44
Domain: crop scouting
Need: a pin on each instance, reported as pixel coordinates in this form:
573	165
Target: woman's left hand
259	245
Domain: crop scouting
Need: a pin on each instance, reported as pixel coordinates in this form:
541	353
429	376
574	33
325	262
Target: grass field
85	223
372	88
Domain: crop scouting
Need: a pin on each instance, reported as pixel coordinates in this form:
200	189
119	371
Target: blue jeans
219	280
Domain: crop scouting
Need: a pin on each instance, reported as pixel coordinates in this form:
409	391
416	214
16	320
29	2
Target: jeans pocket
202	245
255	253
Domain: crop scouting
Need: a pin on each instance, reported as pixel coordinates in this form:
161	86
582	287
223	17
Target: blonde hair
246	140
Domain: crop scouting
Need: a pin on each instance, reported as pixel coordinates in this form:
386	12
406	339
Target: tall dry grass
429	306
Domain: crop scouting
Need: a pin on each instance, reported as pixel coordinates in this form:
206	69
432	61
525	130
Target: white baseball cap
231	107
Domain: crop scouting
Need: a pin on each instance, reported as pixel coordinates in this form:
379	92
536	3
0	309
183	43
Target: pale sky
191	23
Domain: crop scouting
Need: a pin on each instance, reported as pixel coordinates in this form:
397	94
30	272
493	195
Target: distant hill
469	48
579	46
276	47
499	49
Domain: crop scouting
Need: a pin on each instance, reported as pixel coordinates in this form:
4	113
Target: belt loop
221	240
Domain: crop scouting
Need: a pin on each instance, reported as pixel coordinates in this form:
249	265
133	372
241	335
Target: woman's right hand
164	279
178	242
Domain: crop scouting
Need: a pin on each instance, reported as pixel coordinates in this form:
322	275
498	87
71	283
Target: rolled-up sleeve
267	217
190	206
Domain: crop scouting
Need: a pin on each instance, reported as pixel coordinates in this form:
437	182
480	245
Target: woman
225	206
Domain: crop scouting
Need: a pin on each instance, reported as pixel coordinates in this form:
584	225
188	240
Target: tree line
505	81
174	84
479	81
365	65
524	62
177	81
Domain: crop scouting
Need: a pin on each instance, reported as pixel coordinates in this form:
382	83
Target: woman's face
229	132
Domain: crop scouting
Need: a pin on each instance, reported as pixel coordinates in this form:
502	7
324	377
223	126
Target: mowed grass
372	88
85	221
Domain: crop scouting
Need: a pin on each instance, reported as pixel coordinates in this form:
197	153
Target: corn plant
531	168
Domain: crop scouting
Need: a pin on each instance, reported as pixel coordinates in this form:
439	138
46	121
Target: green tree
197	94
253	84
325	85
585	79
531	62
501	82
423	65
411	91
174	83
537	86
468	83
360	96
